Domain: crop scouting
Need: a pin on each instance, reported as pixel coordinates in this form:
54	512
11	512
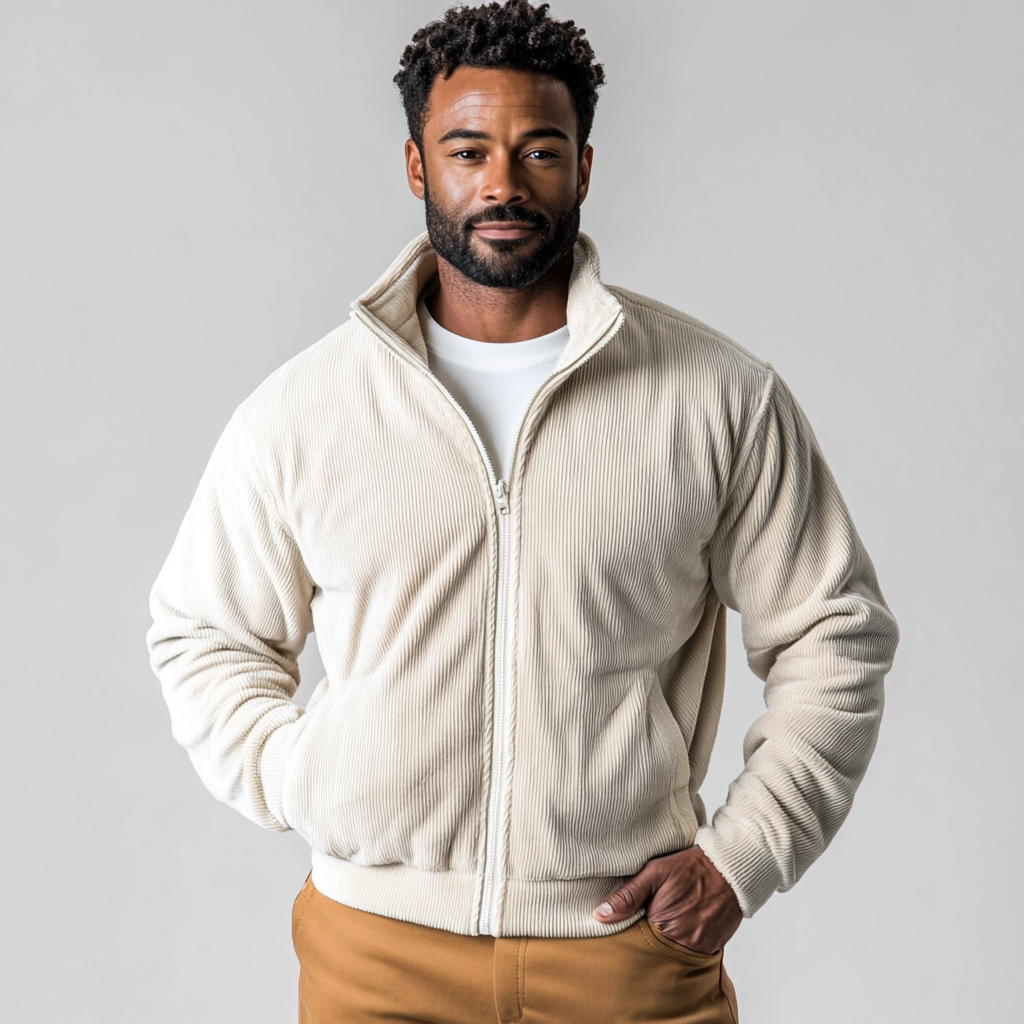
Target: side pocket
318	703
276	757
301	905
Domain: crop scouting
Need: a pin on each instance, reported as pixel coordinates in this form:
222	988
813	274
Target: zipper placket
493	854
499	720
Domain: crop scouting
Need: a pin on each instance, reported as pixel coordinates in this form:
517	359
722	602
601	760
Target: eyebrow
547	132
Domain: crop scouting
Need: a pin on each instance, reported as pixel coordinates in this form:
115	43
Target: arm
817	631
231	612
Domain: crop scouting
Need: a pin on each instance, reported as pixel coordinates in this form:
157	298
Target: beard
495	263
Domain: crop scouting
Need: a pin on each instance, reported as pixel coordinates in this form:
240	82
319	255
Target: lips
502	223
508	230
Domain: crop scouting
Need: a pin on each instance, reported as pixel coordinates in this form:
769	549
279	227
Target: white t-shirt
493	382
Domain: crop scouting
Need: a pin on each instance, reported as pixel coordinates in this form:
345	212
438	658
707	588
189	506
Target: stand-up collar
389	305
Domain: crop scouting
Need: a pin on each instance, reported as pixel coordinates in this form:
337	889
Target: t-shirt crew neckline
488	355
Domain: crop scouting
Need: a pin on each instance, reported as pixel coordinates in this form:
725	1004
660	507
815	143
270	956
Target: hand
687	899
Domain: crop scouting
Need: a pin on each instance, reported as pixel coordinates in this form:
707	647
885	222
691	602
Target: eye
542	154
465	154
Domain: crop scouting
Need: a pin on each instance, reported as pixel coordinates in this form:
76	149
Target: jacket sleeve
817	631
231	613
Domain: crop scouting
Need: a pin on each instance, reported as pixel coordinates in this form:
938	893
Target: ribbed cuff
744	858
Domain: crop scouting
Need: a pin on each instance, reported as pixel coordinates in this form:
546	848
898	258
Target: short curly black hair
514	35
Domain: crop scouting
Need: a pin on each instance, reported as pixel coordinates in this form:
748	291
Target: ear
414	169
586	162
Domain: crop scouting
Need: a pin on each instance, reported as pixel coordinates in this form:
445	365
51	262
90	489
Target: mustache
509	213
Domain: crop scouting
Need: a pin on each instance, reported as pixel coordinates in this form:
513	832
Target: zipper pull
501	496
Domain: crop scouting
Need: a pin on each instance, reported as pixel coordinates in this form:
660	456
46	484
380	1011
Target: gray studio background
193	192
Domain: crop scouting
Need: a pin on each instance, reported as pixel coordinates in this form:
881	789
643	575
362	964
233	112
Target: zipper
493	846
499	723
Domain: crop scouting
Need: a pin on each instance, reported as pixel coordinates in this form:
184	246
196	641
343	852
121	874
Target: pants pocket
301	905
670	947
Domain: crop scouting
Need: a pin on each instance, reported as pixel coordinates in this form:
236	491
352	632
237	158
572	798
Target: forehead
475	97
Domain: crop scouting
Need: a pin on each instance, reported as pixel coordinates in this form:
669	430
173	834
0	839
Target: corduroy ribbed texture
661	473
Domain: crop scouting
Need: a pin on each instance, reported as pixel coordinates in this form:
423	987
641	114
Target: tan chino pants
357	967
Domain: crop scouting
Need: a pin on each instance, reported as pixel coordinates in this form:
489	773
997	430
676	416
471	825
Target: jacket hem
447	899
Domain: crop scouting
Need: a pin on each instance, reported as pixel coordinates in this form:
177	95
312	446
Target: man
515	503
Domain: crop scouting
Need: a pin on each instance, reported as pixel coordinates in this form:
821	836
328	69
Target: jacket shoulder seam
269	496
757	422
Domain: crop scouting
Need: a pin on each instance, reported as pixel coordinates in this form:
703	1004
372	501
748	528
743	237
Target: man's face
500	174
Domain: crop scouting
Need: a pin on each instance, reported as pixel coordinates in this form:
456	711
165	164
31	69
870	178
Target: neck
501	314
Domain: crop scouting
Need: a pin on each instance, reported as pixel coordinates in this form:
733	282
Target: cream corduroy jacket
524	676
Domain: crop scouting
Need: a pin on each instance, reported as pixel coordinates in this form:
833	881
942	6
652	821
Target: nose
502	182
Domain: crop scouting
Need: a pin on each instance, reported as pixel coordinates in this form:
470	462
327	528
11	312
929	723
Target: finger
629	898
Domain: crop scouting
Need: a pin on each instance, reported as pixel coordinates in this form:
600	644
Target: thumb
630	897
